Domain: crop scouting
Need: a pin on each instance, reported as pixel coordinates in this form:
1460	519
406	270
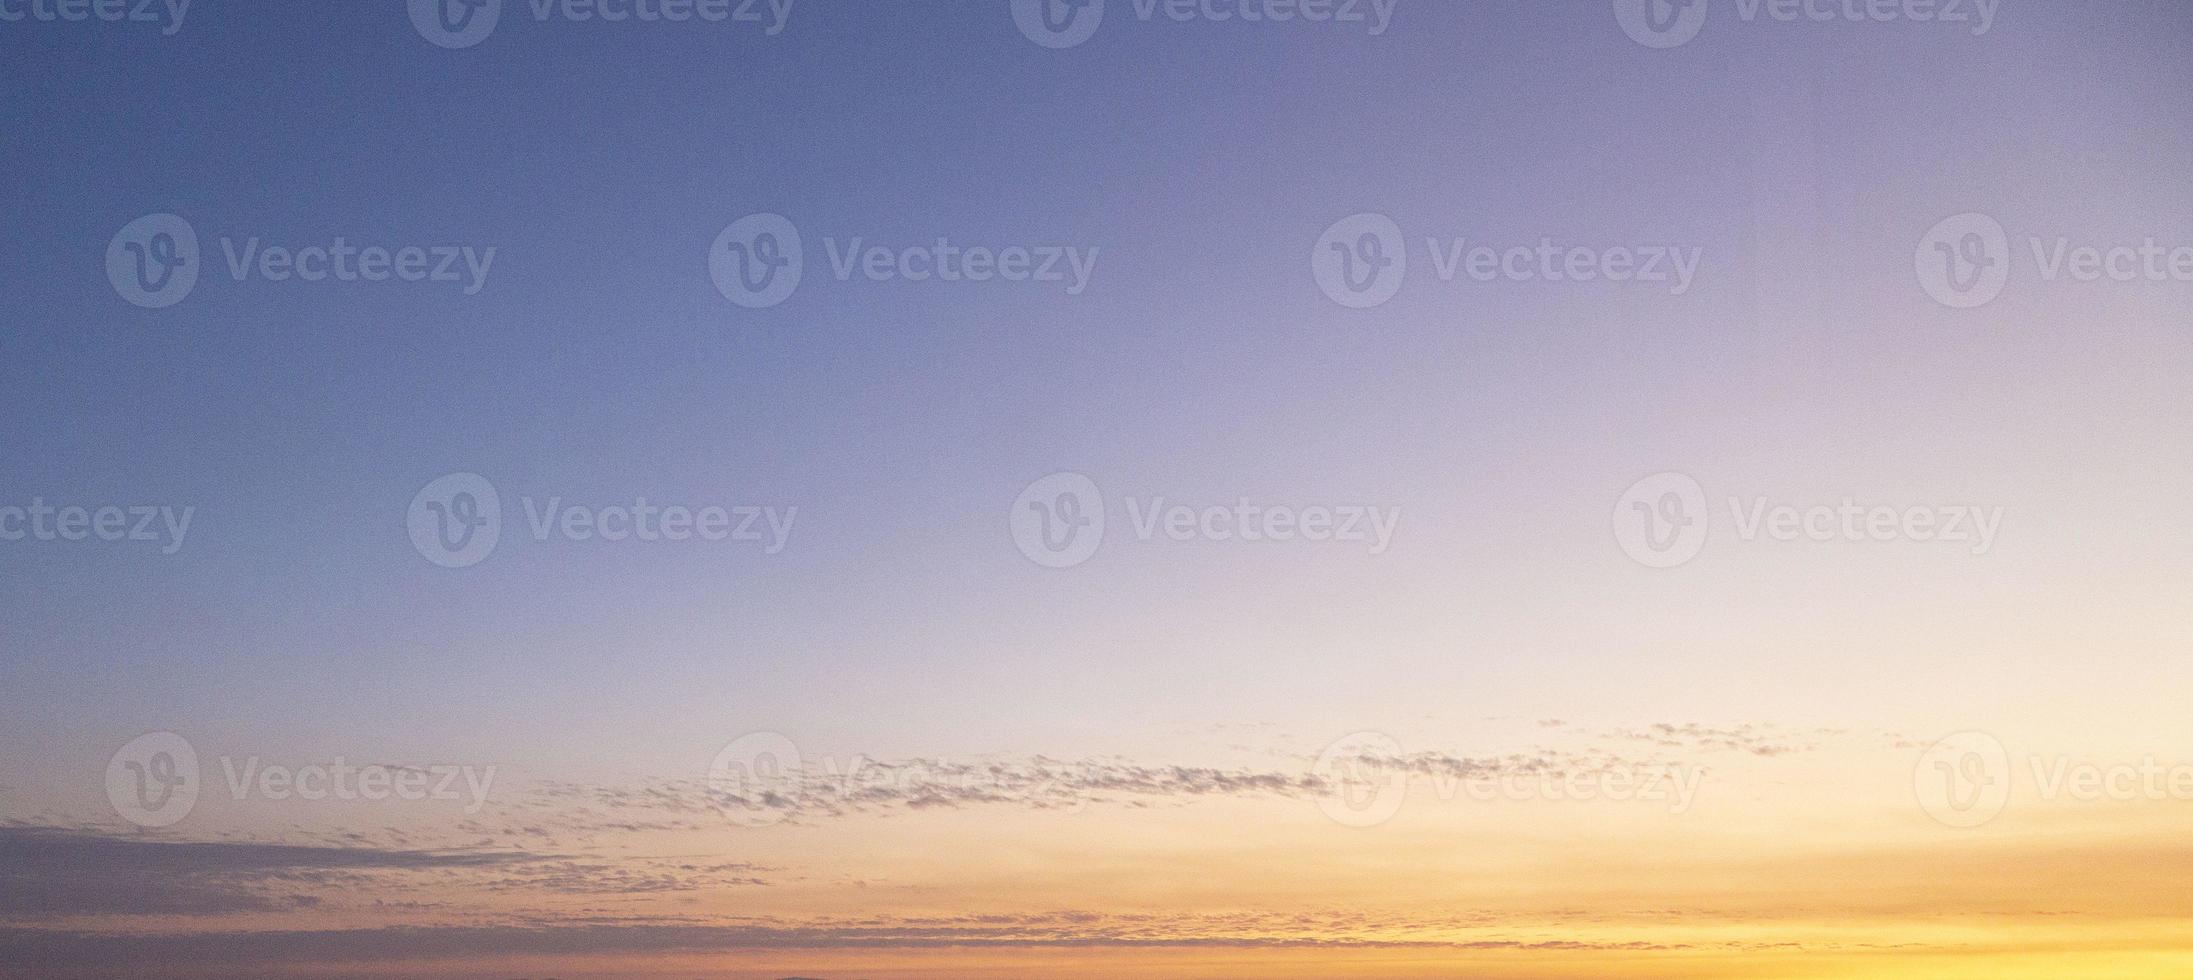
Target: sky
896	490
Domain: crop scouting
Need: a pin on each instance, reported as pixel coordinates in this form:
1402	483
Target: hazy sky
1791	171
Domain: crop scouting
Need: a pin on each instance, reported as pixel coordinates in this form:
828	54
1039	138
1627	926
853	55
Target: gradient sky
1504	420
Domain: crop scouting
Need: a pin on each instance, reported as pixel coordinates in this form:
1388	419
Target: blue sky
1200	163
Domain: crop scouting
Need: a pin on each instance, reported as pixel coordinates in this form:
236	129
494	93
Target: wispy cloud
860	785
139	954
54	873
1752	739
